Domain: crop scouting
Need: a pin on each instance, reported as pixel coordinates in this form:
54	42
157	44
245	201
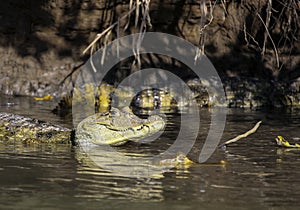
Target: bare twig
118	40
104	48
99	36
269	14
203	25
224	6
252	38
137	12
245	34
70	74
91	59
267	31
145	21
136	45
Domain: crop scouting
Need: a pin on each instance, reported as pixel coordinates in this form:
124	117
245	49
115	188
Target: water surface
257	173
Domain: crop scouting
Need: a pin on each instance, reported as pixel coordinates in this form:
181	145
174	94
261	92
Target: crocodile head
117	127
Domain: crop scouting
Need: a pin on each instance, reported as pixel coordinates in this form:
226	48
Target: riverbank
42	43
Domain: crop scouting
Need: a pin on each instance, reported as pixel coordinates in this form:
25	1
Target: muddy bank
42	42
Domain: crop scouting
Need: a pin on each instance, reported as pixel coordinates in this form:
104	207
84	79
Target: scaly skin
24	129
114	128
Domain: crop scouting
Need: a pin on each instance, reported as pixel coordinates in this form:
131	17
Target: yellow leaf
45	98
282	142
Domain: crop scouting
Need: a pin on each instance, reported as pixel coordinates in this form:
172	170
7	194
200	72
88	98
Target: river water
255	172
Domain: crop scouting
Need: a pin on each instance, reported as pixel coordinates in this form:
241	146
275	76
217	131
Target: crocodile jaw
103	130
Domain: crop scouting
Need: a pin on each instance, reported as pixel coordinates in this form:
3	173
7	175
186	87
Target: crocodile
148	99
115	127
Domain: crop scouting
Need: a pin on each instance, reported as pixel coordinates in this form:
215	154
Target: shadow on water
257	173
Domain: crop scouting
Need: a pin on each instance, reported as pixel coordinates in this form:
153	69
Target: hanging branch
269	14
136	45
203	25
267	32
145	21
100	35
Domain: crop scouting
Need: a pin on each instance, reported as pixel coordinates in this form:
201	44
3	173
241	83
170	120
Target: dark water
257	173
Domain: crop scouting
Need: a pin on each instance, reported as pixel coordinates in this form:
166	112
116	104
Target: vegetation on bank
257	39
271	30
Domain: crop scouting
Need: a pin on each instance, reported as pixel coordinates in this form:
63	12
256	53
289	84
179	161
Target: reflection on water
257	174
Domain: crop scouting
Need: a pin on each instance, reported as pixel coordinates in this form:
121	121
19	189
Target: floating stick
244	135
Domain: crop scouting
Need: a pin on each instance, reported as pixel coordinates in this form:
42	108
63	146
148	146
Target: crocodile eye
39	135
49	135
